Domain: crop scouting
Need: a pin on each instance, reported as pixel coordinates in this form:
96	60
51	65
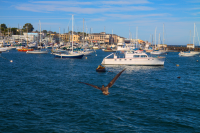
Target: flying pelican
103	88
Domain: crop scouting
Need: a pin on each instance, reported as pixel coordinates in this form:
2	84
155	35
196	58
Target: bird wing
114	79
91	85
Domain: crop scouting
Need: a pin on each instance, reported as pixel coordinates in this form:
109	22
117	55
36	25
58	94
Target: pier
181	48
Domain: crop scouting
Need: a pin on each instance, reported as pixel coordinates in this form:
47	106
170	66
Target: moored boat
23	49
133	58
3	50
37	52
69	55
187	54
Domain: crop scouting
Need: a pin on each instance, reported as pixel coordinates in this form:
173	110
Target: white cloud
71	3
127	2
194	1
122	16
98	19
116	2
197	13
79	10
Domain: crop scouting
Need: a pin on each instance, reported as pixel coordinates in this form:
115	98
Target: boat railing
109	55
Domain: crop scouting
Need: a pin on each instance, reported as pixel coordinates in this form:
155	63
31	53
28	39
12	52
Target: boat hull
185	54
3	49
78	56
37	52
134	61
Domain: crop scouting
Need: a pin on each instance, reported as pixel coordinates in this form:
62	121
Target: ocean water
39	93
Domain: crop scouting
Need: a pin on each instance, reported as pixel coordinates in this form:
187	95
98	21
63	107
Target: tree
3	26
44	31
29	26
15	31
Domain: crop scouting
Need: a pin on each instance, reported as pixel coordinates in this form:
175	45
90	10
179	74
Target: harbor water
40	93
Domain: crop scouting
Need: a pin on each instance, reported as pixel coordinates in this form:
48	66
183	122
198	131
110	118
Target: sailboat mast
72	33
27	36
194	34
83	32
136	37
59	35
163	34
8	30
159	39
40	33
112	37
155	37
190	37
50	34
68	35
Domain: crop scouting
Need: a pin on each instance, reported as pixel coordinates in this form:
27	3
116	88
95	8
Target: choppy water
39	93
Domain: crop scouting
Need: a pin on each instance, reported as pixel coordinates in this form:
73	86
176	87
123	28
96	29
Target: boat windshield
143	56
136	56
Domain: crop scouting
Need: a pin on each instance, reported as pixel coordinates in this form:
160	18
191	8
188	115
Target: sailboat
70	54
156	51
190	53
38	51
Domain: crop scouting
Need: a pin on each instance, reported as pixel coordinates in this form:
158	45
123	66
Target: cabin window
143	56
115	59
130	59
136	56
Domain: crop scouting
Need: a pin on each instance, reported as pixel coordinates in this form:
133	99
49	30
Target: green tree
29	26
15	31
3	29
3	26
44	31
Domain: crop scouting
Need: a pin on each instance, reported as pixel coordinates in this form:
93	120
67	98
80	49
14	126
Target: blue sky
121	16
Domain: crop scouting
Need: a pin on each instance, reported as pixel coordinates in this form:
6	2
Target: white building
32	37
190	45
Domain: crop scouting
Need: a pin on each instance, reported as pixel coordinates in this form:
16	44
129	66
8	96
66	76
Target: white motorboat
11	48
123	47
195	52
157	52
87	52
37	52
132	58
188	54
96	46
3	50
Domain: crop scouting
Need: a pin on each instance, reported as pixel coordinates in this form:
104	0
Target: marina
99	66
40	93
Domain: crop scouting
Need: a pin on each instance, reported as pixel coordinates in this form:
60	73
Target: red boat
23	49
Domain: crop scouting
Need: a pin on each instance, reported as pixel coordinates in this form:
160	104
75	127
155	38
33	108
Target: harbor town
18	38
96	66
